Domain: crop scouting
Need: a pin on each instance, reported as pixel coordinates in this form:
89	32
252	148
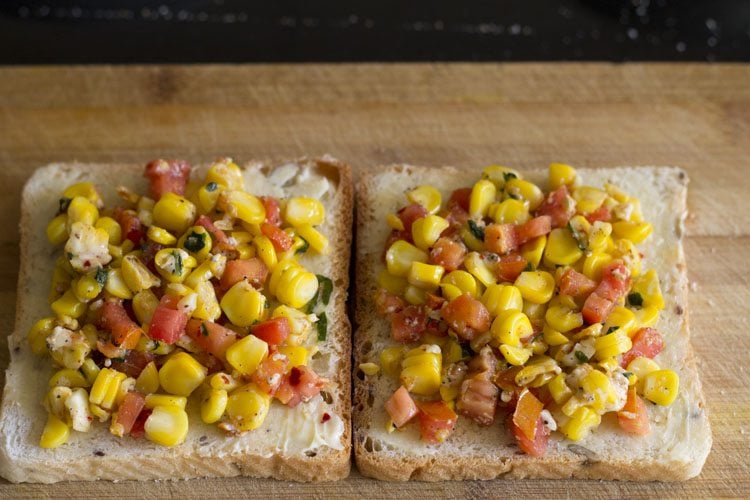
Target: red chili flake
295	376
326	417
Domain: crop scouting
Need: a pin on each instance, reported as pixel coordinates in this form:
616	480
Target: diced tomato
254	270
167	324
596	309
506	379
557	207
137	431
510	266
128	411
460	198
436	420
125	332
149	249
110	350
300	384
535	447
130	225
270	373
448	253
601	214
433	302
408	324
211	337
167	176
401	407
615	281
211	362
134	363
273	211
386	303
409	214
647	342
220	240
526	414
466	316
534	228
273	331
633	417
501	238
575	284
280	239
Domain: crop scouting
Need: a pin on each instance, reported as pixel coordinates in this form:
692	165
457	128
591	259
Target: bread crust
404	458
94	461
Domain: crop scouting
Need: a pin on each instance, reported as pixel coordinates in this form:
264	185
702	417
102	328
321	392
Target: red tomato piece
149	249
526	414
280	239
633	417
167	324
125	332
167	176
299	385
436	420
110	350
460	198
575	284
254	270
138	430
409	214
448	253
134	363
615	281
211	337
433	301
510	266
538	226
270	373
401	407
501	238
557	207
130	225
128	411
220	241
273	210
386	303
647	342
535	447
408	324
601	214
273	331
596	309
466	316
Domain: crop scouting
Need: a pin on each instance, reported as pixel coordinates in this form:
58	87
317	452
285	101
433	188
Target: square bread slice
292	444
680	437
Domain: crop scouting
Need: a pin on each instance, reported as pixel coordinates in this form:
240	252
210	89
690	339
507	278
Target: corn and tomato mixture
509	302
194	289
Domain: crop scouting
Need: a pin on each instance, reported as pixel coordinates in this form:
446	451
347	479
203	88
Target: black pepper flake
99	453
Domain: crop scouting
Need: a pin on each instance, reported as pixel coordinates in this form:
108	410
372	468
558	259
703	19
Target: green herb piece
628	375
580	240
118	360
325	288
204	330
529	267
64	204
635	299
581	357
476	230
177	263
513	196
195	242
70	255
101	276
305	246
211	187
508	176
322	326
611	329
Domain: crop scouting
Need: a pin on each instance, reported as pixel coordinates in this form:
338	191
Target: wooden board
525	115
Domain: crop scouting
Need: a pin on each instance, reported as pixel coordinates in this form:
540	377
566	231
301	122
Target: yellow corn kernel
206	197
427	196
38	334
68	305
181	374
420	370
265	250
116	286
620	318
588	199
400	257
540	368
55	433
207	305
499	298
174	213
81	210
562	318
394	222
126	386
479	269
213	405
553	337
315	238
136	275
533	250
161	236
449	291
631	257
642	366
559	390
452	352
99	413
414	295
661	387
167	425
300	210
425	276
68	378
510	327
644	317
392	284
612	344
448	393
297	289
561	249
599	236
482	196
598	389
426	230
561	174
525	190
509	211
154	400
647	285
90	371
55	399
57	229
144	305
515	355
296	354
499	175
225	172
84	189
243	206
88	286
148	381
536	286
247	407
464	281
285	271
471	241
390	359
369	368
581	422
594	263
105	387
73	353
223	381
633	231
246	354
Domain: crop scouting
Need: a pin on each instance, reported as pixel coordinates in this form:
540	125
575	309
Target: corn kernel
225	172
633	231
561	174
448	393
224	381
644	317
315	238
553	337
421	368
510	327
390	360
81	210
426	196
206	197
296	289
631	257
246	354
167	425
116	285
599	389
392	284
415	296
509	211
181	374
525	190
479	269
562	248
482	196
300	210
515	355
154	400
559	390
400	257
38	334
533	250
57	230
55	433
136	275
499	298
563	319
426	230
148	381
425	276
471	241
90	371
642	366
594	263
647	285
247	407
582	421
463	281
612	344
174	213
296	354
243	304
105	387
599	236
394	222
449	291
661	387
68	305
68	378
242	205
84	189
499	175
214	405
369	368
536	286
588	199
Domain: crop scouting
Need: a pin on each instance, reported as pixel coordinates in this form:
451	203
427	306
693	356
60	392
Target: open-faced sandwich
181	322
525	326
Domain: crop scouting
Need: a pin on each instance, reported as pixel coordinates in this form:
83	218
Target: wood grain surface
526	115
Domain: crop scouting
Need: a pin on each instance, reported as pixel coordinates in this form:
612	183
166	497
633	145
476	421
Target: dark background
109	31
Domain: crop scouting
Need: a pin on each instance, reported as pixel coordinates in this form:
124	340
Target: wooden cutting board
695	116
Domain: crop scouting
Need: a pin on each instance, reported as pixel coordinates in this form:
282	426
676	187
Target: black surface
232	31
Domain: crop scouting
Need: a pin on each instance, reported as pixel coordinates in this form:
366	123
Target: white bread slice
285	447
680	438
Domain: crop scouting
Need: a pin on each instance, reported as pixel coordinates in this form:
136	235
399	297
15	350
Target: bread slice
680	438
290	445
